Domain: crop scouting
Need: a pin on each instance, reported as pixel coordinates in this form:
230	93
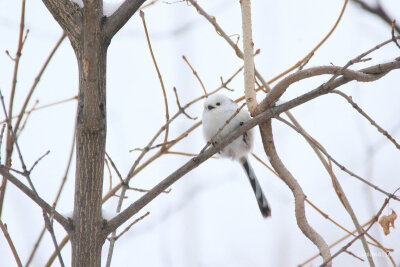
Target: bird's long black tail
261	200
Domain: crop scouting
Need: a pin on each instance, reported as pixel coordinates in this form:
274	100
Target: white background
210	218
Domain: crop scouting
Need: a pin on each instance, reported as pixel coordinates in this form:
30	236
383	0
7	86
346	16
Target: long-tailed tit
218	109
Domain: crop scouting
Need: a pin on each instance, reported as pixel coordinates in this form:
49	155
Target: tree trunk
86	238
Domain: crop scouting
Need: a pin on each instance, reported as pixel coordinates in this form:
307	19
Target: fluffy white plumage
218	109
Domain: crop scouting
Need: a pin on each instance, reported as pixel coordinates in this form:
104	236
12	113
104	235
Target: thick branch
68	15
115	22
299	197
362	76
248	56
43	204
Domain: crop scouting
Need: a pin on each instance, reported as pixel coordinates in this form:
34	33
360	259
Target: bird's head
218	102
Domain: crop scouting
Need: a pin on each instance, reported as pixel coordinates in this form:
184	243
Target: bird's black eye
218	103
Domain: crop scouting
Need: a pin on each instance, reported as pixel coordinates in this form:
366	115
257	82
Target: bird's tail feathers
261	200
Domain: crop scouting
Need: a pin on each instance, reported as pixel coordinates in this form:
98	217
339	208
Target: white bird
218	109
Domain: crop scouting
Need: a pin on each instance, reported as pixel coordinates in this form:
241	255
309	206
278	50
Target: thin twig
37	79
326	216
360	235
3	228
49	226
180	107
109	173
337	163
27	176
195	74
147	190
45	106
265	164
53	256
114	167
365	115
28	113
36	246
184	154
300	64
38	160
378	11
1	142
335	243
9	142
131	224
222	33
12	135
318	148
148	4
354	255
393	37
159	77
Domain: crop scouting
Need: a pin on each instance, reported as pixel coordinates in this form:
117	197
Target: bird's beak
210	107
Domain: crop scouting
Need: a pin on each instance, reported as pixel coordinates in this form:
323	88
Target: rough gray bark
91	52
90	34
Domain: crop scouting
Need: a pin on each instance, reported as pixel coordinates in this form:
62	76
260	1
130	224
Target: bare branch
195	74
340	240
343	168
281	87
141	190
325	263
222	33
38	160
159	77
393	37
60	189
34	108
9	140
1	142
115	22
50	228
305	60
248	56
54	255
43	204
37	79
28	113
365	115
3	228
68	15
131	224
114	167
337	187
299	197
180	107
378	11
326	216
354	255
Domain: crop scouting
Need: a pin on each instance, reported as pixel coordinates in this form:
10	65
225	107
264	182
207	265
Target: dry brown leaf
387	221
